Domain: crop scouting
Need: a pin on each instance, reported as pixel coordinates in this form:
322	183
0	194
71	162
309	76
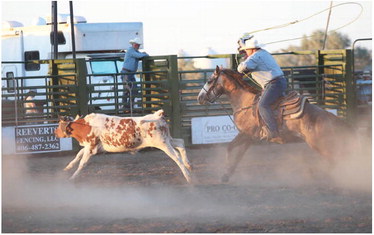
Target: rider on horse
267	73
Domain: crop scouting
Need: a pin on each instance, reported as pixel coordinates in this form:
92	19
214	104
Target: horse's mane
238	78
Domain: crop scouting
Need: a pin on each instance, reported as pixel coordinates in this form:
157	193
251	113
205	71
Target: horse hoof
225	179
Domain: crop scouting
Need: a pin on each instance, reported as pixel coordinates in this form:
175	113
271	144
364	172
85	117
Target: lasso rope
327	27
304	19
307	18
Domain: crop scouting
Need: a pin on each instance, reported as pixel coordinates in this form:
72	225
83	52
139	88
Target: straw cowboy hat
248	42
135	41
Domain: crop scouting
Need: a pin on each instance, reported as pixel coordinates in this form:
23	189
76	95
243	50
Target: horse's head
212	89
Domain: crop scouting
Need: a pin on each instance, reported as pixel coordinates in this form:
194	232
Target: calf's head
62	131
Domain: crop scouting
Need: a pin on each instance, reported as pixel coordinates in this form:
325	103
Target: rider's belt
275	79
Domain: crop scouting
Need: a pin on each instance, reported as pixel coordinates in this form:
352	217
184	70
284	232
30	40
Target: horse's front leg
241	143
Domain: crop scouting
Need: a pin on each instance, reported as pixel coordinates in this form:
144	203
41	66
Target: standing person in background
130	66
29	105
364	85
33	107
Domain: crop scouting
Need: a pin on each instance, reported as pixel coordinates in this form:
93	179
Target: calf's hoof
72	178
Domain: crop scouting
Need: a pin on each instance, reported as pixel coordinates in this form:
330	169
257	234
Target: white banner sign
36	139
33	139
215	129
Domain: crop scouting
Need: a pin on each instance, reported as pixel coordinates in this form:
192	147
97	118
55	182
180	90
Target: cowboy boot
266	134
275	138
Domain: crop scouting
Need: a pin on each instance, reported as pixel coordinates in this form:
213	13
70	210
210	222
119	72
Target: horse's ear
217	69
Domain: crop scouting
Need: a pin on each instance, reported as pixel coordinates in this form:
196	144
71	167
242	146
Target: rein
211	90
242	109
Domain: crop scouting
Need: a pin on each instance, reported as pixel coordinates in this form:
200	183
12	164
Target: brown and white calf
100	132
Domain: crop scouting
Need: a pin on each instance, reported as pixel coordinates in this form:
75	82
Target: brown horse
321	130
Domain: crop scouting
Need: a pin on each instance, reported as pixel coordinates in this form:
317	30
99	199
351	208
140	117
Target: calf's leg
173	154
86	156
75	160
179	145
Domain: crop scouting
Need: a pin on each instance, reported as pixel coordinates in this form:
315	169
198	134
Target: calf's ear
77	117
63	118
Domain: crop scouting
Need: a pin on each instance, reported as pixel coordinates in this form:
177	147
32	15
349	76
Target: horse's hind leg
241	143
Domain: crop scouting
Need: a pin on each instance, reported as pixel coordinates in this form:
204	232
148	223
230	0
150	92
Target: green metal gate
328	84
69	90
57	93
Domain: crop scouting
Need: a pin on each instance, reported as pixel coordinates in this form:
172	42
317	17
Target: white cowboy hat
135	41
248	42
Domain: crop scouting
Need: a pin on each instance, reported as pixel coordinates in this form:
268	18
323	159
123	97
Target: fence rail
68	89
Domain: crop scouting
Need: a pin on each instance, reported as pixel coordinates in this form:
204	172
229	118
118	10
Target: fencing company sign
36	139
209	130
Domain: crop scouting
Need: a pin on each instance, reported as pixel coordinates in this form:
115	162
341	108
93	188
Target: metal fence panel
69	90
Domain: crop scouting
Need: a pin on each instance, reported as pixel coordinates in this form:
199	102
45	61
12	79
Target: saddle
290	106
287	107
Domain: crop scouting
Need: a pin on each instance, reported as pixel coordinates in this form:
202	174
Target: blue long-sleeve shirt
262	66
132	58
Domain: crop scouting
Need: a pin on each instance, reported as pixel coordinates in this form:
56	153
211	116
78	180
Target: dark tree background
335	40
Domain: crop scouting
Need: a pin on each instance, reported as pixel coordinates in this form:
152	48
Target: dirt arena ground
276	188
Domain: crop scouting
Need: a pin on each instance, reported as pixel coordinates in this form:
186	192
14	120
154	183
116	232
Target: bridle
212	88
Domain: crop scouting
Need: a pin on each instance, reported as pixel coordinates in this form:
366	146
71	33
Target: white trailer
92	41
35	42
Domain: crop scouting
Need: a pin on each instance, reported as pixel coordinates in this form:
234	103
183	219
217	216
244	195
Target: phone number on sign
39	147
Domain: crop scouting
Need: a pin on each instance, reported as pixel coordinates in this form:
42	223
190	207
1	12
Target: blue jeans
129	79
271	93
